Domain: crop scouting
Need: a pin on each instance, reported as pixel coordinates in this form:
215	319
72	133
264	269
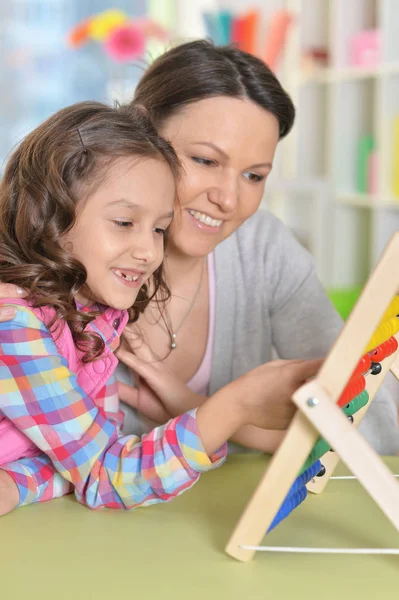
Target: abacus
331	407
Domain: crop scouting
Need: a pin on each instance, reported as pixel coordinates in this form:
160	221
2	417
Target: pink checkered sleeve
37	480
40	395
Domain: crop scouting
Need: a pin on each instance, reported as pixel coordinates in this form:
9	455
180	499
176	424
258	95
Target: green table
61	550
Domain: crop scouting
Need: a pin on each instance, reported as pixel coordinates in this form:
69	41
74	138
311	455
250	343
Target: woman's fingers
151	406
135	363
144	401
128	394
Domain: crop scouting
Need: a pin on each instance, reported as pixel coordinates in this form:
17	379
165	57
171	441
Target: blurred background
336	181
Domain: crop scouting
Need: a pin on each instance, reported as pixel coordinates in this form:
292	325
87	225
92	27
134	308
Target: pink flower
125	43
152	29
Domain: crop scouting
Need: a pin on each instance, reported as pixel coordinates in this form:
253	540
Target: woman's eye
123	224
254	177
206	162
160	231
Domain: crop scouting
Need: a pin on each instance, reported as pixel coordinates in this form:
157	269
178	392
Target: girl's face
119	231
227	147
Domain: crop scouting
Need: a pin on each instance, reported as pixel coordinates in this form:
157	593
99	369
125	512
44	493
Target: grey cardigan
270	302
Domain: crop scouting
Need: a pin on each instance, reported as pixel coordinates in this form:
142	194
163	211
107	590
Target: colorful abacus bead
362	367
392	310
353	388
384	331
384	350
297	493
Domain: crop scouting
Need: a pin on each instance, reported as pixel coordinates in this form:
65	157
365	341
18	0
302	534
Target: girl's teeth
205	219
127	277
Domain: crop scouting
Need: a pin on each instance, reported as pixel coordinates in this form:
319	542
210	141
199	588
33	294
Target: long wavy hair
61	161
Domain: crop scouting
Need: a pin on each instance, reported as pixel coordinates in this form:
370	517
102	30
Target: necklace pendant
173	341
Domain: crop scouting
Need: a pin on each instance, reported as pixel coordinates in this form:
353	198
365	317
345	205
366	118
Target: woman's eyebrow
213	146
268	165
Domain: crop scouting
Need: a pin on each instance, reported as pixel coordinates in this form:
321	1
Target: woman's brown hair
64	159
197	70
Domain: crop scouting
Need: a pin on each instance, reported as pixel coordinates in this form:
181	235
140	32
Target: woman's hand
7	290
160	393
144	400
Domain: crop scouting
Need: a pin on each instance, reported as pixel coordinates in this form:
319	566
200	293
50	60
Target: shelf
330	75
344	113
367	201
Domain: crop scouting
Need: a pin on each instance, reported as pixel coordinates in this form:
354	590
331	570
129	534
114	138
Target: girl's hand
9	493
264	394
262	397
7	290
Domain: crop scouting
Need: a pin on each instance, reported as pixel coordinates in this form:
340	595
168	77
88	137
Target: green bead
321	446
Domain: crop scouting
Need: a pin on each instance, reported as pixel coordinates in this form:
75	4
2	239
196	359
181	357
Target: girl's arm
161	395
40	395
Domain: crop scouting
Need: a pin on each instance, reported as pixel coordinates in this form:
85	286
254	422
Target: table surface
62	550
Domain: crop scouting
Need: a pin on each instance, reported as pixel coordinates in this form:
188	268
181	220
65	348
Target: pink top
199	382
94	377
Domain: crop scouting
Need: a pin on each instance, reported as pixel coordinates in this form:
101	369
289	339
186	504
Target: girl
85	204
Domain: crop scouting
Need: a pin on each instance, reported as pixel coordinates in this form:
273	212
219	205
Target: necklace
169	328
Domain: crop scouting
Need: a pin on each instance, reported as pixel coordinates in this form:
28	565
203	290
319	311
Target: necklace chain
169	329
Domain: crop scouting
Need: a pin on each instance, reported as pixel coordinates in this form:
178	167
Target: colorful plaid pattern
80	445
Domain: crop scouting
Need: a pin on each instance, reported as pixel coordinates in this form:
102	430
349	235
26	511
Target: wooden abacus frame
319	414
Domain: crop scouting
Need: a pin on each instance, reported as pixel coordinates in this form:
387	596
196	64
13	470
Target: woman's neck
180	268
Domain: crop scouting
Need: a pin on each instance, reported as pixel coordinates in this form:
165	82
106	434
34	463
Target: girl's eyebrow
226	156
128	204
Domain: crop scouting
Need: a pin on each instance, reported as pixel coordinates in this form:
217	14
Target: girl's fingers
8	290
7	313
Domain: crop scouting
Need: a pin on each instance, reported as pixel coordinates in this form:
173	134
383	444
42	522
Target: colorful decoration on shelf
243	30
366	151
123	39
365	49
395	157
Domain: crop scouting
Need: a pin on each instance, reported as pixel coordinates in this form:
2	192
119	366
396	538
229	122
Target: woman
241	285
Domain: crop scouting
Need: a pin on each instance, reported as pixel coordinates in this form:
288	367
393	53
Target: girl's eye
254	177
123	224
160	231
206	162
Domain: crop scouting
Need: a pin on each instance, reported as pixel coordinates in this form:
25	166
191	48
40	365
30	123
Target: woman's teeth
127	277
205	219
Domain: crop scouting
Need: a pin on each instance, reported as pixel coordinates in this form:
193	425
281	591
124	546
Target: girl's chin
116	301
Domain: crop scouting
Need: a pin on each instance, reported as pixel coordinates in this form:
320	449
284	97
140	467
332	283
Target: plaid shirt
81	446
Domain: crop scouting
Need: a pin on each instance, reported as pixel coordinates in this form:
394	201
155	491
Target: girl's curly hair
63	159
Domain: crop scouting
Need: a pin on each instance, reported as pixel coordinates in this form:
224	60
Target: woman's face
226	146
